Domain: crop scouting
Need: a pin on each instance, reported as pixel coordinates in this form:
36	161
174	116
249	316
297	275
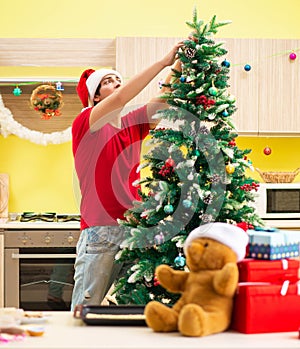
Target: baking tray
111	315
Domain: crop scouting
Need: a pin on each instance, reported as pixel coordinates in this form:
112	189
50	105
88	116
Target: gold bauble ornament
230	169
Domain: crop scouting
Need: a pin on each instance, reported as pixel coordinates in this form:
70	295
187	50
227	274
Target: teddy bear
207	288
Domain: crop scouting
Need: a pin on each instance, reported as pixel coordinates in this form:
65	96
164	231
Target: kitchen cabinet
244	85
267	96
278	82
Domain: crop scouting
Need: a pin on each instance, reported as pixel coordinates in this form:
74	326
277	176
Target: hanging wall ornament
17	91
267	150
59	86
292	56
47	101
247	67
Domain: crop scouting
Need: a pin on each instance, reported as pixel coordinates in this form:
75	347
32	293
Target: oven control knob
70	239
47	239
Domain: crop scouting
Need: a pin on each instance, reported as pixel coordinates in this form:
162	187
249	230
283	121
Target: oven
39	266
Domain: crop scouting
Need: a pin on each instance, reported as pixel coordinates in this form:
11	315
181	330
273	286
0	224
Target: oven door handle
42	255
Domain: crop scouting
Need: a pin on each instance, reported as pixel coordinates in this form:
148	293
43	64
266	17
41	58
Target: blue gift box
277	244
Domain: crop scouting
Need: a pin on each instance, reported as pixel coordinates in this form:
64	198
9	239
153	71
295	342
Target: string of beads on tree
46	100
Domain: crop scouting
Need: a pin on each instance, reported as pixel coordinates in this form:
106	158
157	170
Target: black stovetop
48	217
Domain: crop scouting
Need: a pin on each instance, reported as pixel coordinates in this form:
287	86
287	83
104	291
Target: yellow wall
41	177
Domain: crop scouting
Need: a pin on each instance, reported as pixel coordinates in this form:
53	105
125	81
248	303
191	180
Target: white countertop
39	225
283	223
62	331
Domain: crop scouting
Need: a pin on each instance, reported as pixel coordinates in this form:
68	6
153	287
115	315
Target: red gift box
275	271
263	307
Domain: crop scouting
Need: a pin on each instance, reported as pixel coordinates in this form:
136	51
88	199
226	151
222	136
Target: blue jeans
95	267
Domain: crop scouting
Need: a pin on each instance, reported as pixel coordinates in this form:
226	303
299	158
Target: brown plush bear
207	289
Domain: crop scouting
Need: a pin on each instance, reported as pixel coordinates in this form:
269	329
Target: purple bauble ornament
159	238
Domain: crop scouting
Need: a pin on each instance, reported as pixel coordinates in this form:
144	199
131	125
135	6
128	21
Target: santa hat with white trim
228	234
89	82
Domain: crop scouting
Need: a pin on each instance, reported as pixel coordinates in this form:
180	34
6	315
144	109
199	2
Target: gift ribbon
283	290
285	264
284	287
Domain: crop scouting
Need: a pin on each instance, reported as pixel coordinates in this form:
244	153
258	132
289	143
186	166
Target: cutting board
4	195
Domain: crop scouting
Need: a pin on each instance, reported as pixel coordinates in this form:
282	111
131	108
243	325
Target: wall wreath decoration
47	101
8	125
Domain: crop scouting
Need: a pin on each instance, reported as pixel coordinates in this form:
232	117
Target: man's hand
170	58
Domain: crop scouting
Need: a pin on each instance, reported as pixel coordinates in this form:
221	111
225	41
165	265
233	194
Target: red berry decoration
206	102
249	186
293	56
170	162
167	169
155	281
267	151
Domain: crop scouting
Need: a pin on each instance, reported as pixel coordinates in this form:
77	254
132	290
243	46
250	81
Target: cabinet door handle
42	255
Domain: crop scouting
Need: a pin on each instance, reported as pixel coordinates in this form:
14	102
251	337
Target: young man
106	148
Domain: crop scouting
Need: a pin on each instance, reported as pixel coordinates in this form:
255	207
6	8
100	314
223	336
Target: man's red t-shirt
106	162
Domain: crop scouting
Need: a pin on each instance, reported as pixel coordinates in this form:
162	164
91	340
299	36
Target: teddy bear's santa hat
228	234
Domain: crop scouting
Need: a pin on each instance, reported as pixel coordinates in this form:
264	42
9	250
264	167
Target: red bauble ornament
293	56
232	143
170	162
267	151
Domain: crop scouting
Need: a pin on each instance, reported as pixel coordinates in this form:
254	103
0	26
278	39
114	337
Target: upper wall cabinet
244	85
57	52
279	86
267	96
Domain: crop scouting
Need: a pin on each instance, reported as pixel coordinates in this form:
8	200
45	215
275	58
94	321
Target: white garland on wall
8	125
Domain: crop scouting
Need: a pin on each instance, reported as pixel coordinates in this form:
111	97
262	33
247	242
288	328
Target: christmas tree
198	174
